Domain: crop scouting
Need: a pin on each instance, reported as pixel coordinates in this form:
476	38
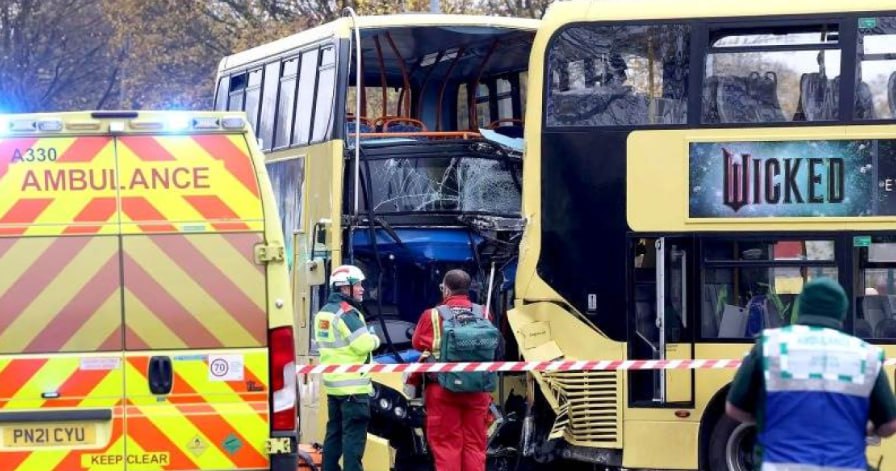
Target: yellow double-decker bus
690	165
393	143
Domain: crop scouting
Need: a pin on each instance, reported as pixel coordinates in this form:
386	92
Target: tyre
731	446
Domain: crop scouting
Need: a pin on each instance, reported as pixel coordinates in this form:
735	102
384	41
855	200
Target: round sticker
219	367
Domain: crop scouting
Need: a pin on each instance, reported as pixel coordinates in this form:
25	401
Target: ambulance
146	321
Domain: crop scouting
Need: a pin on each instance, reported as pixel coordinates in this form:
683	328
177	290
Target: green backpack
466	336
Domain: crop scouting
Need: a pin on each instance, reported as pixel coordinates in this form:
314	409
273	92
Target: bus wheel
731	446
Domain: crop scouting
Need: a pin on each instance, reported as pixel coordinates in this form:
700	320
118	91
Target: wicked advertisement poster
817	178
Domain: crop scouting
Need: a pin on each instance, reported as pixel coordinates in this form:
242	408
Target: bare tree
55	55
518	8
175	45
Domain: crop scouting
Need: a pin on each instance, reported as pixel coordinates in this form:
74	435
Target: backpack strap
436	332
445	312
478	310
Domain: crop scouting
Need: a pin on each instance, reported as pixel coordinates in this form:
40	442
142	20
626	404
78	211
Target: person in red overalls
456	423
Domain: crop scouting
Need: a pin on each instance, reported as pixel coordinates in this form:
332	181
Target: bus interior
438	140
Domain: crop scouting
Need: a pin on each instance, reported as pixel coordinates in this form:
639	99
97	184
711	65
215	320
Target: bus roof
615	10
342	27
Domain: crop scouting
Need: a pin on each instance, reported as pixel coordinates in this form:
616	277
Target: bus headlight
385	403
400	412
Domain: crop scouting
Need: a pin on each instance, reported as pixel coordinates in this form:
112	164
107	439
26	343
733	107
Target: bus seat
364	126
763	90
891	94
403	124
752	99
863	329
626	109
814	97
835	97
734	322
510	127
886	329
735	105
875	309
762	311
864	102
710	100
510	131
668	110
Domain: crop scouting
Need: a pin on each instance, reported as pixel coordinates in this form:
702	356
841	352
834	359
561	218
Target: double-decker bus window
237	94
483	107
505	99
253	98
750	285
269	107
326	85
875	304
221	94
618	75
777	74
286	102
876	68
305	99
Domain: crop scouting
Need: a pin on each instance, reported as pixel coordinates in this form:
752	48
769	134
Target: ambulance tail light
283	379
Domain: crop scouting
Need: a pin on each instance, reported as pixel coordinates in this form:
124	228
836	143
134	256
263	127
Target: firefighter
456	422
342	337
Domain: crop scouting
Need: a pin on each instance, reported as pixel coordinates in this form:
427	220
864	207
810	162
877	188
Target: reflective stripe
436	334
357	333
338	343
335	348
346	382
803	467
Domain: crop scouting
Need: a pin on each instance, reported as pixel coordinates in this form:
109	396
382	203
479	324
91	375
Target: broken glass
461	184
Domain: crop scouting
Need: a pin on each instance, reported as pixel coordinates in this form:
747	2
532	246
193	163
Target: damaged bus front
393	143
427	208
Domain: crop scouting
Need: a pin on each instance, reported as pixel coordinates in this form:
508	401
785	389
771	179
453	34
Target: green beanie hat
822	302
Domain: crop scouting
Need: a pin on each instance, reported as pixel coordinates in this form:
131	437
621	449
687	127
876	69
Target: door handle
161	375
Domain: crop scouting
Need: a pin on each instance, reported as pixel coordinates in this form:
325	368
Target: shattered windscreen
446	184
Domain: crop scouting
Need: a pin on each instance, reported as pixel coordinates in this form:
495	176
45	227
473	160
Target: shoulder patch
323	324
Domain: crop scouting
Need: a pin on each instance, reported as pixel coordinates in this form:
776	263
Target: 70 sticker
225	368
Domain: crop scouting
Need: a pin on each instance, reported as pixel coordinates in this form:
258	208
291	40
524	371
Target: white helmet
346	275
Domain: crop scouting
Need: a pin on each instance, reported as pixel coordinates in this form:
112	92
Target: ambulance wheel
731	445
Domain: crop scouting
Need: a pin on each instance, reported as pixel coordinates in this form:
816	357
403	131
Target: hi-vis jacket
818	385
342	338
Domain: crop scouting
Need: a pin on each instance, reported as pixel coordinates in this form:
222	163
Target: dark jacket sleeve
748	382
883	403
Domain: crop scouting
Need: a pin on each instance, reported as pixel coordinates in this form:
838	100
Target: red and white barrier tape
513	366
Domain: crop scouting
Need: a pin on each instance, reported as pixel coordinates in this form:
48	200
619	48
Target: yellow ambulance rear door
61	337
195	303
